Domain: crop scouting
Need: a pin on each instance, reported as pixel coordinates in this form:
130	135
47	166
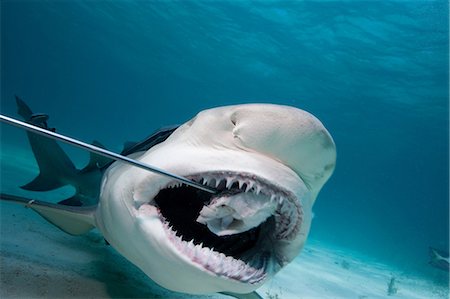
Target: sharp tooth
206	254
240	184
249	186
240	268
191	244
281	200
205	181
258	189
229	183
272	197
217	183
197	251
228	265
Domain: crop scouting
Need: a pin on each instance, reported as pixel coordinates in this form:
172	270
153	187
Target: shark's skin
268	162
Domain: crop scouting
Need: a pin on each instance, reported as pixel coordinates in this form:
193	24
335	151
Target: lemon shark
267	163
439	259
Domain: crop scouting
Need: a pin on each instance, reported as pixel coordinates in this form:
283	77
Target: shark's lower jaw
247	244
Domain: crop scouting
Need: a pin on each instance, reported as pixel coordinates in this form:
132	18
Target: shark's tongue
229	214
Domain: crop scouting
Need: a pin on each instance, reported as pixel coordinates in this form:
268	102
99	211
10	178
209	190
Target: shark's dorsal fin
128	145
55	167
152	140
23	109
72	220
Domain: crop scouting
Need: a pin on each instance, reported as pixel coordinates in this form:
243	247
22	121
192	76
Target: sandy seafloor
40	261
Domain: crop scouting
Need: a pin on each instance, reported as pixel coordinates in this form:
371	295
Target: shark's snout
293	136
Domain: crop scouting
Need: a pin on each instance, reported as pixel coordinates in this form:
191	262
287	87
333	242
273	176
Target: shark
266	162
439	259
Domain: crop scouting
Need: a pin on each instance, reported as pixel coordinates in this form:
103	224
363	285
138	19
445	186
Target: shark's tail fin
72	220
439	259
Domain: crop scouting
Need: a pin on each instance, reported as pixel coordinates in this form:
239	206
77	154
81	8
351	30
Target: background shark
439	259
268	163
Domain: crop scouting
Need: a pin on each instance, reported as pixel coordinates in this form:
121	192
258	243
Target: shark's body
268	163
439	259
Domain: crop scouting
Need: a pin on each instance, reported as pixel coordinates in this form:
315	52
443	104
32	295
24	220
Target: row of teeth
216	262
288	218
226	183
230	181
250	186
288	214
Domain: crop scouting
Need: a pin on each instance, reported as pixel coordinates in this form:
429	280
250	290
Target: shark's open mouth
238	232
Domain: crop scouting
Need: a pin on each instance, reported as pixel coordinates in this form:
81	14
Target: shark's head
268	163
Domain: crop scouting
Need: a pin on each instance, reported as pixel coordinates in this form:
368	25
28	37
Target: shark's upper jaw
245	246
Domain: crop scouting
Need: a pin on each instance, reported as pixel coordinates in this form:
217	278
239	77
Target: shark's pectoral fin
72	220
70	223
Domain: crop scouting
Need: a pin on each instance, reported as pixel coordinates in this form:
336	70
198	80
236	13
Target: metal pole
102	152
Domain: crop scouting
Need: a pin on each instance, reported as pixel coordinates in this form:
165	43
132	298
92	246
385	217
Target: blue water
375	73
